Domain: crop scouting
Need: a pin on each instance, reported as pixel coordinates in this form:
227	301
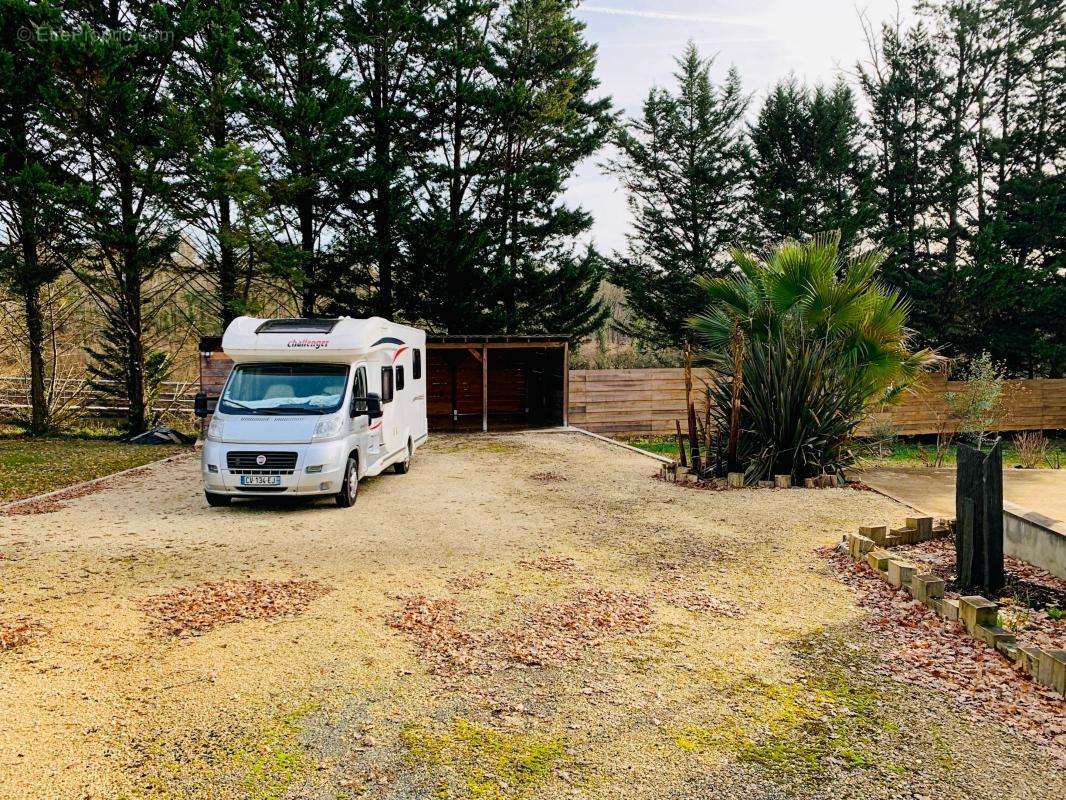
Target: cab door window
358	405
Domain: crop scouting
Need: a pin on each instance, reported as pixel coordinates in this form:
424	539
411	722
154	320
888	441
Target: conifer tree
31	213
391	44
219	191
809	169
300	103
548	121
682	163
494	245
115	110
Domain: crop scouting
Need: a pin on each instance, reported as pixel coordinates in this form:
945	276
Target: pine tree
219	191
809	169
301	103
682	164
30	177
391	44
115	110
902	81
450	244
967	112
548	121
1014	284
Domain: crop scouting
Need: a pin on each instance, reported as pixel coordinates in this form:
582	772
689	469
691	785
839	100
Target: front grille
243	462
262	488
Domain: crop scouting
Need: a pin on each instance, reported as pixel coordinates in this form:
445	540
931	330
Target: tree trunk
383	234
736	346
39	422
309	294
130	305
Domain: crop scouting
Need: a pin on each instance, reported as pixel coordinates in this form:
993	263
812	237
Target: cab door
359	421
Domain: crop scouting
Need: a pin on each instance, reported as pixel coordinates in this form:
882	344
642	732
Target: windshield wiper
299	410
235	404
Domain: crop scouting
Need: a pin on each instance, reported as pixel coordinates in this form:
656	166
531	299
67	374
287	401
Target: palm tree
824	340
836	298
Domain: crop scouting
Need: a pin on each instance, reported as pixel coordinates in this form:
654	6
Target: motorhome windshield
284	389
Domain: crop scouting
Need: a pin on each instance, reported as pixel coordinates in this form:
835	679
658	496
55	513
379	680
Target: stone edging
976	614
74	487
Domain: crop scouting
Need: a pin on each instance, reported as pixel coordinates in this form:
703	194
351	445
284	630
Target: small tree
982	406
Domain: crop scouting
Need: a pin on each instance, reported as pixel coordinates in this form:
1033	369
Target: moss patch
795	731
274	759
478	762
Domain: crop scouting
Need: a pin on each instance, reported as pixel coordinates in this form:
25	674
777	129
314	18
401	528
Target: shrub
824	340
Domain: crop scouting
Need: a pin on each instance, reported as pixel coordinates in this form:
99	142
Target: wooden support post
566	384
484	389
680	444
453	370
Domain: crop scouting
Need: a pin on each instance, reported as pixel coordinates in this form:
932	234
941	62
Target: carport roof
536	339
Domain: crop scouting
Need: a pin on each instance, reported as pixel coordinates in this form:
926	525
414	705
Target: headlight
328	427
214	430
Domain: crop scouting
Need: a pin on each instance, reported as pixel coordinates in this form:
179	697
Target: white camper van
312	406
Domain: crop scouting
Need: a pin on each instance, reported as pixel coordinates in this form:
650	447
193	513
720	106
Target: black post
979	517
694	439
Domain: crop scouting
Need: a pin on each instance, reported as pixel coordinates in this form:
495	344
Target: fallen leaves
563	631
550	563
472	580
205	606
923	650
549	634
547	477
705	603
18	632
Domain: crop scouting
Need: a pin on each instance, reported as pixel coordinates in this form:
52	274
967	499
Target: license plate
260	480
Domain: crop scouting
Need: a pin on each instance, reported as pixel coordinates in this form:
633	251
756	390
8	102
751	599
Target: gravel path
530	615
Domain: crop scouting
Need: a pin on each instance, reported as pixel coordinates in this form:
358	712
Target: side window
399	378
386	385
416	368
359	393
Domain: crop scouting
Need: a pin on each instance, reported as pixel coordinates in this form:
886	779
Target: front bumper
332	456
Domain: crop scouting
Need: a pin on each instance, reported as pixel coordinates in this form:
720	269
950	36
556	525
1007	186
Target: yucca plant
824	340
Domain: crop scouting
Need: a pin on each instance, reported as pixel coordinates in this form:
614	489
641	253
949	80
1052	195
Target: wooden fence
636	402
174	397
645	402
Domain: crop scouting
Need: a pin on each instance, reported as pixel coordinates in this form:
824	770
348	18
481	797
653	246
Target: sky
815	40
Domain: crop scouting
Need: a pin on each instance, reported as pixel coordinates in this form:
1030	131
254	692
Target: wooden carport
508	381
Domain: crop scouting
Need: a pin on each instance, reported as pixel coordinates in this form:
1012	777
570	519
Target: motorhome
312	406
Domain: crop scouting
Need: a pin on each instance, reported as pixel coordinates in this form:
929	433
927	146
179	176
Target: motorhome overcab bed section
312	406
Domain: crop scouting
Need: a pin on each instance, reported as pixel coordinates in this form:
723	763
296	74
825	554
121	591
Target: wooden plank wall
629	402
635	402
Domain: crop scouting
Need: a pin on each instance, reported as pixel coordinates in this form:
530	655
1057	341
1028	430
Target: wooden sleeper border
978	615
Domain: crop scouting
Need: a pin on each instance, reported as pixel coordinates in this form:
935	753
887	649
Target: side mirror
373	405
199	405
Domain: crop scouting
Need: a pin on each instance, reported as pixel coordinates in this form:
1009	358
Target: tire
403	467
217	500
349	492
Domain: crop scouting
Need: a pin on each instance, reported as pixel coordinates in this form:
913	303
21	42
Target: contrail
668	15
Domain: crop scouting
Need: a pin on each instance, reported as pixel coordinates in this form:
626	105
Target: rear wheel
349	492
217	499
403	467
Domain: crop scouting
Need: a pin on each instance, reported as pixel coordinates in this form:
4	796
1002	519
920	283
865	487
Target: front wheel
403	467
349	492
216	500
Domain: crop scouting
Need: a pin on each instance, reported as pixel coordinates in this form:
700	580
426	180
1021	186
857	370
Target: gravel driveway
529	615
